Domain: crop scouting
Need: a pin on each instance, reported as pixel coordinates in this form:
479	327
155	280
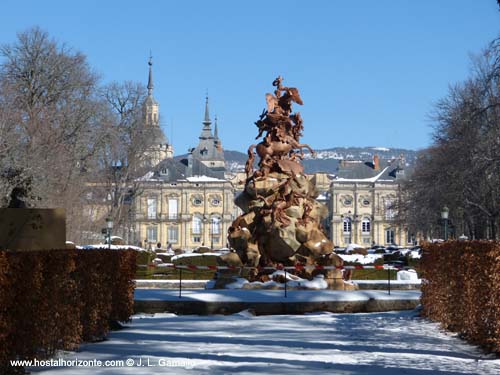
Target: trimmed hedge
56	299
462	289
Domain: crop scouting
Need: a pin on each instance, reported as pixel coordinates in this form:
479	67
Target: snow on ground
276	296
390	343
360	258
112	247
294	281
353	246
192	255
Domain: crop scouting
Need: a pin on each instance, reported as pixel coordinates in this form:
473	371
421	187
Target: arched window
366	225
196	225
347	224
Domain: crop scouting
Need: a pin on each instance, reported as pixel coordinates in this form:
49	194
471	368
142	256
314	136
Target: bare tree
462	168
49	121
123	158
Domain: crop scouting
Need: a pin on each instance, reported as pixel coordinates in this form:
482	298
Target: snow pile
353	246
113	247
415	254
410	275
192	255
166	253
293	282
238	283
165	265
361	259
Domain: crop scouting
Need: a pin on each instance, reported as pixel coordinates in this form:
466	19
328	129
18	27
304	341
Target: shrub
52	300
145	257
462	289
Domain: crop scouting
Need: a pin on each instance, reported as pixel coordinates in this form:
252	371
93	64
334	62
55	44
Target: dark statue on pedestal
280	224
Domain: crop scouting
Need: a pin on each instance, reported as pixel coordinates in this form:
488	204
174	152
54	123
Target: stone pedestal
32	228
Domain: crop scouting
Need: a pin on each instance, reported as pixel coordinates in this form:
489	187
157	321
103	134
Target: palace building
362	203
186	202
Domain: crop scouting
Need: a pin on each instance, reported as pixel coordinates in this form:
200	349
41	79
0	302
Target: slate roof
171	170
359	170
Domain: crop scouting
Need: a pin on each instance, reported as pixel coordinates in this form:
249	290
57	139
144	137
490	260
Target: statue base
32	228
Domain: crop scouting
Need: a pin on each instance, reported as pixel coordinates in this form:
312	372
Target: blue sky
368	71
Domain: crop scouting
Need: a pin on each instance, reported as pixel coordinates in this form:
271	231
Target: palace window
389	236
172	208
152	234
197	200
151	207
410	237
196	225
347	224
215	226
390	212
365	225
173	234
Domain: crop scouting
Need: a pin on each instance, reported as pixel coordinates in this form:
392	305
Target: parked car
393	247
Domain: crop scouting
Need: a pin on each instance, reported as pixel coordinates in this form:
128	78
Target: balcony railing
158	216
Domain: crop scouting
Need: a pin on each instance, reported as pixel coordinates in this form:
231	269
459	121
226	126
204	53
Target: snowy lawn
321	343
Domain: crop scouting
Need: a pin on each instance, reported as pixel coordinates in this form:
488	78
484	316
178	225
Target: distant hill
328	160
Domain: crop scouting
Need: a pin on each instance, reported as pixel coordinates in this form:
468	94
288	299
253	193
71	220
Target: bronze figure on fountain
280	224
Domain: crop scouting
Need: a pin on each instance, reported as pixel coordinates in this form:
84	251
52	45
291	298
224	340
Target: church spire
217	141
209	150
150	78
206	131
206	121
216	130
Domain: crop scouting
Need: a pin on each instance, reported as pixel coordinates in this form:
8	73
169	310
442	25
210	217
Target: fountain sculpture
281	220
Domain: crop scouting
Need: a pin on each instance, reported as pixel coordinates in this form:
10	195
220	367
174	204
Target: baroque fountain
281	221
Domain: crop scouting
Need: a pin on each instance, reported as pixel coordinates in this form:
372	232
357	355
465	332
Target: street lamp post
444	215
212	235
109	228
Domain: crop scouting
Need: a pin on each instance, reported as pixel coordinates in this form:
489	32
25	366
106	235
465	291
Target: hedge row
462	289
56	299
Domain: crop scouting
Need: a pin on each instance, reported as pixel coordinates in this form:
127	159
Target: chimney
189	171
376	162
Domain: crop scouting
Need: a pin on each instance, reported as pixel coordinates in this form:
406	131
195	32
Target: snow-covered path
321	343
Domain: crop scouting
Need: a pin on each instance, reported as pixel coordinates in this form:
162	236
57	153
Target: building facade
186	213
362	204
